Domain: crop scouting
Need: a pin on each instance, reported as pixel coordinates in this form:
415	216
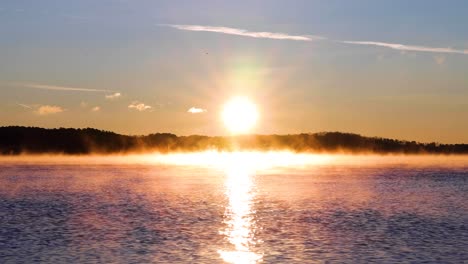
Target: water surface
234	208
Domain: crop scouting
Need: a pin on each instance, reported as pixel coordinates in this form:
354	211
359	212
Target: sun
239	115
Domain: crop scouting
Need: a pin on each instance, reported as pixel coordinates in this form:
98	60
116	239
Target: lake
213	207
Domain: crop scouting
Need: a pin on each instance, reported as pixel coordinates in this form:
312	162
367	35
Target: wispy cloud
48	110
113	96
96	109
24	106
139	106
244	32
404	47
58	88
285	36
196	110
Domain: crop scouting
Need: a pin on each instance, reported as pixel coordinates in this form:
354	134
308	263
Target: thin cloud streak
285	36
113	96
59	88
404	47
24	106
244	32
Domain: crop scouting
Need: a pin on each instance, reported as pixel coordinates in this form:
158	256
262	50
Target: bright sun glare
239	115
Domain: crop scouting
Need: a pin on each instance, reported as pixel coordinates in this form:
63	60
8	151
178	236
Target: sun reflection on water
240	217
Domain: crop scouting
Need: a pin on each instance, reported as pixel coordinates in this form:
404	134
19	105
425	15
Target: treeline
32	140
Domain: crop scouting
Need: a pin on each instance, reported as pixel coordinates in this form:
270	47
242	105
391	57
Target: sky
395	69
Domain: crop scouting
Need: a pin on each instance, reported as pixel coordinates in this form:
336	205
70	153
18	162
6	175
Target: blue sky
380	68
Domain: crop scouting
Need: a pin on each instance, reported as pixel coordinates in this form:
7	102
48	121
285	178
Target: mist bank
15	140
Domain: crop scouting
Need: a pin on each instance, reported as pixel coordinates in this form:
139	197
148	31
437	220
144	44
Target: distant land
15	140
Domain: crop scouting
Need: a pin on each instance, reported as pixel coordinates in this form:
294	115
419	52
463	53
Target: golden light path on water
239	217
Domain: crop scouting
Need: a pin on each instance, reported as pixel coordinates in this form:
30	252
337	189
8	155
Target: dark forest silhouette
32	140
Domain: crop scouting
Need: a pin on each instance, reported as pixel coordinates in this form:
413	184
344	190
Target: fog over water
245	207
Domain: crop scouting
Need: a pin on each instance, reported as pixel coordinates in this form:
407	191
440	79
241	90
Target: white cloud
404	47
58	88
96	108
195	110
244	33
113	96
139	106
48	110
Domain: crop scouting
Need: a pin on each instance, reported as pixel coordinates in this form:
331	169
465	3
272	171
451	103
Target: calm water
234	209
